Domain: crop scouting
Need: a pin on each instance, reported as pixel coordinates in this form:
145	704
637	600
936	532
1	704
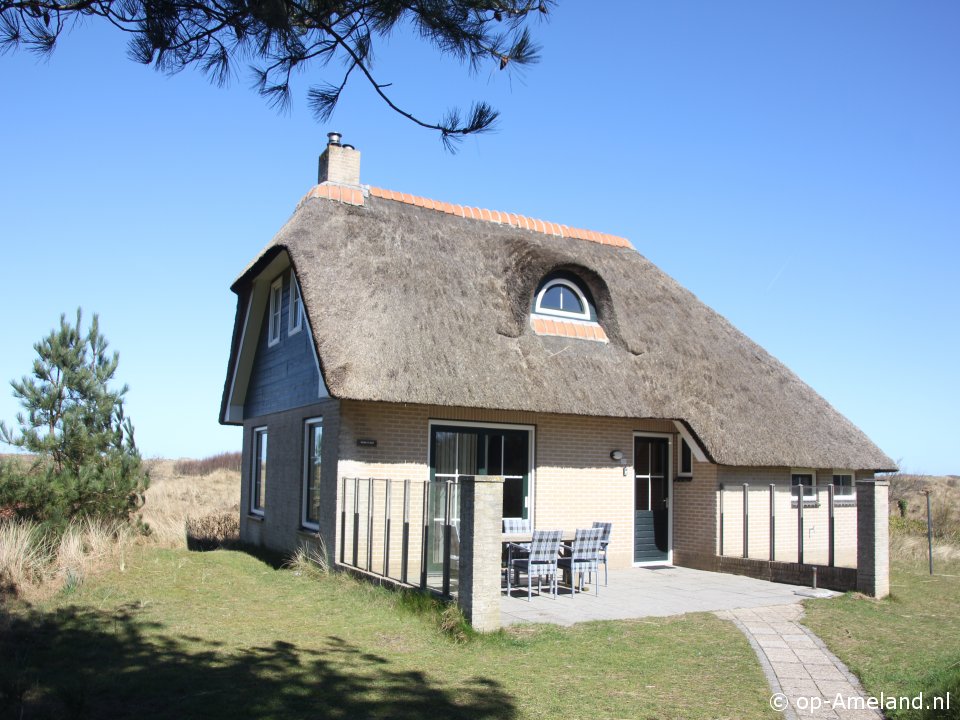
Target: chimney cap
333	138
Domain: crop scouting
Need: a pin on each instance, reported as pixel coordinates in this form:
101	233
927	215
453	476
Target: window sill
256	517
313	533
806	503
683	478
844	502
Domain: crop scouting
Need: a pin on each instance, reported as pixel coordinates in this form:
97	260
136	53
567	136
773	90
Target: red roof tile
566	328
354	196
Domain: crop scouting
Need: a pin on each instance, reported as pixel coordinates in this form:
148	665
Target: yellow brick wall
574	480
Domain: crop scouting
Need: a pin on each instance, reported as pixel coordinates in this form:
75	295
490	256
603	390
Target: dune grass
180	511
224	635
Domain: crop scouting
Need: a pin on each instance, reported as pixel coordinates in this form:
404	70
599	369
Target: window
563	298
295	320
843	481
276	306
807	479
686	459
258	474
313	439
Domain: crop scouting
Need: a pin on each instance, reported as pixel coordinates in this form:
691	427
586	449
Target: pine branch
284	36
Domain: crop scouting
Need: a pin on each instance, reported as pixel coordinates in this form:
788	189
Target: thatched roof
413	303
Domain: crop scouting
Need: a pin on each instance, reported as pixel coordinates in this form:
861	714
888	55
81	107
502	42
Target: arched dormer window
563	298
563	305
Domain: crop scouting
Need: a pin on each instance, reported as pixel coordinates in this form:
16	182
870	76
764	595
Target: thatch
413	305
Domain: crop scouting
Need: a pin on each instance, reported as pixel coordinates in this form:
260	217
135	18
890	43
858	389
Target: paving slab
807	686
645	592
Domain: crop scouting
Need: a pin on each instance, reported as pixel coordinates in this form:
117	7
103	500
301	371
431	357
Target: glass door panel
651	506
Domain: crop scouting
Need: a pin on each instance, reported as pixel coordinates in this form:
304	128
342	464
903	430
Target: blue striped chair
542	562
604	542
584	558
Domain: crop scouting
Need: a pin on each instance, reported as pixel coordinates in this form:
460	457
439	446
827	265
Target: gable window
258	473
295	321
562	297
843	484
686	459
276	307
310	516
804	481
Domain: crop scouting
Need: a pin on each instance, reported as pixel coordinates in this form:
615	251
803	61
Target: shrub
210	532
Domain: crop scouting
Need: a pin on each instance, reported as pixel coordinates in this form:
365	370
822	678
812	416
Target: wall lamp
617	456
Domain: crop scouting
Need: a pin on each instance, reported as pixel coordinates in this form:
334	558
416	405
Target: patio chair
584	558
604	542
515	526
518	526
542	562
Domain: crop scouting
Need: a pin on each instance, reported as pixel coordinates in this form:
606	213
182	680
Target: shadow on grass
81	663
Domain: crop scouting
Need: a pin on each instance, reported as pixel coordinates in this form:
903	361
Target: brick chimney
339	163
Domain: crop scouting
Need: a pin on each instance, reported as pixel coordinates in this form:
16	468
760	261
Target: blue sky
797	166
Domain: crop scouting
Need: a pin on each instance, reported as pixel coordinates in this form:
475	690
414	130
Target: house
385	335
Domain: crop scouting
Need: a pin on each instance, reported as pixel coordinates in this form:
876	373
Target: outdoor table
507	538
567	536
518	538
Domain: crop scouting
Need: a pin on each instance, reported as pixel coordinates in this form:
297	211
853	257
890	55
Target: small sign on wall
366	442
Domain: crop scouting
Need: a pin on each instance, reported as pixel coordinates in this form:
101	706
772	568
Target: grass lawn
905	644
225	635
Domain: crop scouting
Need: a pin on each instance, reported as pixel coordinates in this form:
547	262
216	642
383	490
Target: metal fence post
929	533
369	524
800	524
746	520
425	536
721	520
356	521
405	538
773	522
448	485
343	520
832	526
386	528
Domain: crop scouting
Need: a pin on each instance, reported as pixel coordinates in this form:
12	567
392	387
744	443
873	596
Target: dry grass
180	511
175	501
944	498
209	465
908	521
32	567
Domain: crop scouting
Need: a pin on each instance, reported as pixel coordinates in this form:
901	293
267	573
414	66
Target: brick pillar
481	515
873	537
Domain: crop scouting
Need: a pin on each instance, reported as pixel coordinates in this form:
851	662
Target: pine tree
85	461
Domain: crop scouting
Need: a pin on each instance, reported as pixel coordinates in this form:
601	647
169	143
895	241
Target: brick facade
573	482
280	528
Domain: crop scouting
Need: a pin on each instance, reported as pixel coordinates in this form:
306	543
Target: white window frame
256	469
295	318
531	451
276	312
846	497
680	471
308	426
809	496
540	310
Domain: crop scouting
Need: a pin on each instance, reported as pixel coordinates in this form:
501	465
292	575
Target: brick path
798	665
